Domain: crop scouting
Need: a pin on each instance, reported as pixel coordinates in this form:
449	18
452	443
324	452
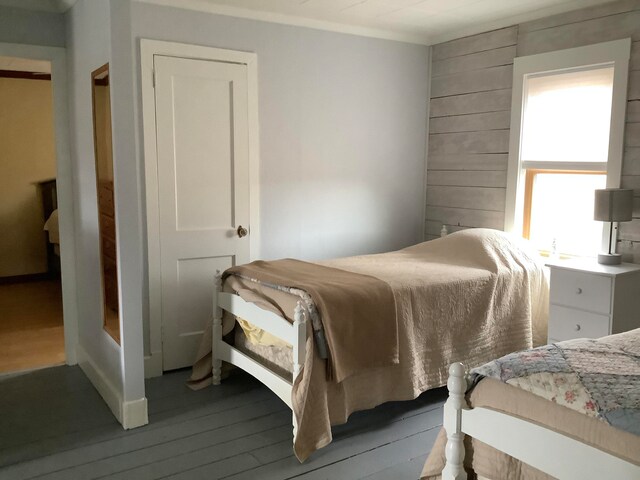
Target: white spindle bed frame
549	451
295	334
558	455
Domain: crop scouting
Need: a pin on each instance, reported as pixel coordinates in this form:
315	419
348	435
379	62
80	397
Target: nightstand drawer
567	323
581	290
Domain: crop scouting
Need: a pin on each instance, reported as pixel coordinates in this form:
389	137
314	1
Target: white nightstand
592	300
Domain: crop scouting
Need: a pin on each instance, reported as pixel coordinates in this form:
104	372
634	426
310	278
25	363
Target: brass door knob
242	232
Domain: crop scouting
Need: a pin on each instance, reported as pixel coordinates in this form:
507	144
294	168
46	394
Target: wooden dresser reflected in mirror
106	204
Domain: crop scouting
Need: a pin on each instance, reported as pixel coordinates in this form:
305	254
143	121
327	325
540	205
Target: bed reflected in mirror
106	205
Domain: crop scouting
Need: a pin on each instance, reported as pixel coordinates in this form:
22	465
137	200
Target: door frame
64	182
149	49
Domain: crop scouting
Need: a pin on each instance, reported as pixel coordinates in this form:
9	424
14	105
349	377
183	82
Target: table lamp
612	205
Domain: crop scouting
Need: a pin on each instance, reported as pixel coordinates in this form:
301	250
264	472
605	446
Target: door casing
64	180
148	49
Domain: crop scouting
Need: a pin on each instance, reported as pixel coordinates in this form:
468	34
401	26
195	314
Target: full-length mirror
106	205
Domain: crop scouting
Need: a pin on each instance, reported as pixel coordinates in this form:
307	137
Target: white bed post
454	451
299	347
216	332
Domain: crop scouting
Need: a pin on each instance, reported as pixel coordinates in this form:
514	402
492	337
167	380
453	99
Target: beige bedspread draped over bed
472	296
357	311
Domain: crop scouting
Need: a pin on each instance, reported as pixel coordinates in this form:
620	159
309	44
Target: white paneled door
203	184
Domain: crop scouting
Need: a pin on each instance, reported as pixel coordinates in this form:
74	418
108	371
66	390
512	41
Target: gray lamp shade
613	205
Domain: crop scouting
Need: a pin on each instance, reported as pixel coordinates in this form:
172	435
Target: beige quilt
472	296
587	389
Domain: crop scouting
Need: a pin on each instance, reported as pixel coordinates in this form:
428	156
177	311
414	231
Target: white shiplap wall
469	131
470	114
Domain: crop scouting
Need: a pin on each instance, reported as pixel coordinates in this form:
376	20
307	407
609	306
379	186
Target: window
558	211
566	141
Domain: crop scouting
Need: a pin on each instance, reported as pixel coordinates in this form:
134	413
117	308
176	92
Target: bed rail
547	450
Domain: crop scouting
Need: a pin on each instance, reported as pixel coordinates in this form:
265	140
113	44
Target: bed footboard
556	454
452	422
294	334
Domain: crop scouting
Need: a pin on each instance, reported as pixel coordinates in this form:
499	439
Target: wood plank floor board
402	471
377	459
20	458
74	434
222	469
112	430
364	421
31	330
219	453
173	383
239	429
229	411
284	465
15	387
185	397
32	421
185	453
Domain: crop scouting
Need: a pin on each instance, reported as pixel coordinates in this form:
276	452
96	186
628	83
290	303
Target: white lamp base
609	258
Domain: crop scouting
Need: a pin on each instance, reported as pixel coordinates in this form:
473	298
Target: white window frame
616	54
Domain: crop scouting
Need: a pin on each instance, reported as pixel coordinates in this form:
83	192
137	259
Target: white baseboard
134	413
153	365
105	388
130	414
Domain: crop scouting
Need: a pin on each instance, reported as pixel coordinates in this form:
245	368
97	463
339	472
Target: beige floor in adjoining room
31	328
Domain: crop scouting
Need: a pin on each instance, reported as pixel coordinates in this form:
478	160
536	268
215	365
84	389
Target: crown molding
229	11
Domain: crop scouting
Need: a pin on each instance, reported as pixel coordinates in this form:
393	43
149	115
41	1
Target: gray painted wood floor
54	425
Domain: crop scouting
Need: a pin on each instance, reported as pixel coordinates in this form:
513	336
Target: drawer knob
578	327
578	291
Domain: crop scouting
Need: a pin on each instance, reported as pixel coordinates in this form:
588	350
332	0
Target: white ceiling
419	21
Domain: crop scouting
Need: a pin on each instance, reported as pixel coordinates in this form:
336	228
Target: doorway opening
31	313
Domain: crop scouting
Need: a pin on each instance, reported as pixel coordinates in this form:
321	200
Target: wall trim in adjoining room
148	49
64	178
24	75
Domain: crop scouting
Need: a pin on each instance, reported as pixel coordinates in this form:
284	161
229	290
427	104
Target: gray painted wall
470	114
342	122
128	211
342	132
88	39
91	43
98	32
34	28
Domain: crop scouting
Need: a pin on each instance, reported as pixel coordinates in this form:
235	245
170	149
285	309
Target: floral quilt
600	378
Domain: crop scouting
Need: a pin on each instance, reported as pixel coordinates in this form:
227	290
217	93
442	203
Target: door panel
204	192
203	179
